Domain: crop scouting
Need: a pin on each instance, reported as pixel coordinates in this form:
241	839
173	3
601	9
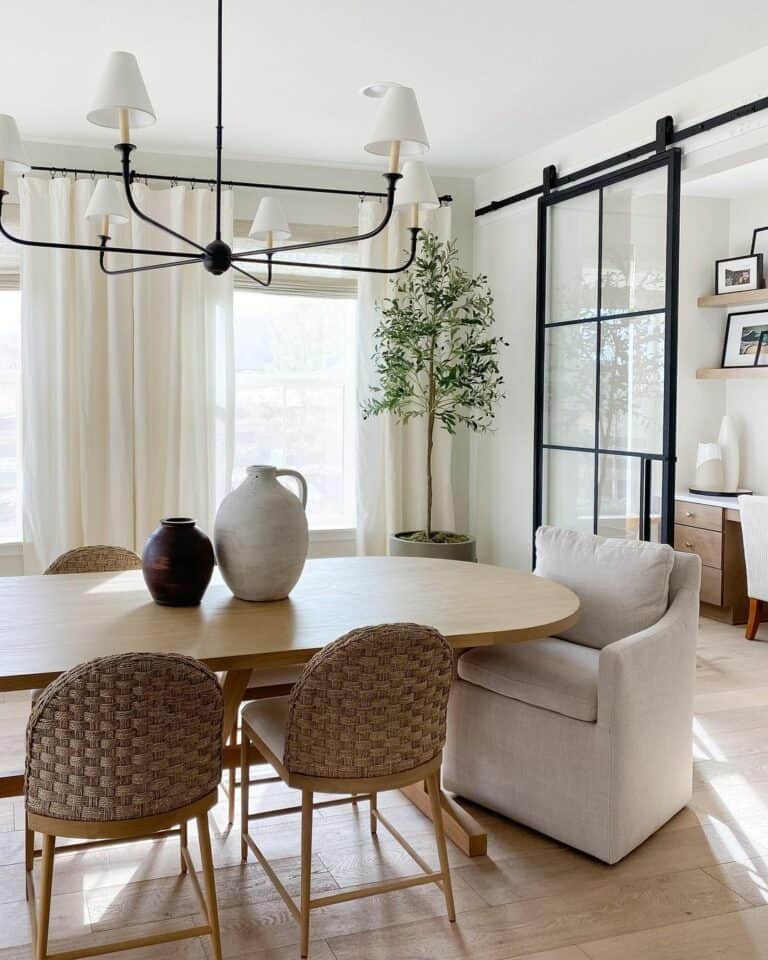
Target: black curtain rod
210	182
666	136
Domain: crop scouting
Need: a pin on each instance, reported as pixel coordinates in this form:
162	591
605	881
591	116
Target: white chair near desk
754	531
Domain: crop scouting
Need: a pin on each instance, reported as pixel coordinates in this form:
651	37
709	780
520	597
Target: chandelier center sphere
218	257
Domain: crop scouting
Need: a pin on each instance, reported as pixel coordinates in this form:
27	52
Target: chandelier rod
219	129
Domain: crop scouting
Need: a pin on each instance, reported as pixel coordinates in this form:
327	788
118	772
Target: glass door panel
569	386
634	250
632	383
573	259
619	497
569	483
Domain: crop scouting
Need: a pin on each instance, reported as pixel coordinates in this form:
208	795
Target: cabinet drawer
712	586
698	515
708	544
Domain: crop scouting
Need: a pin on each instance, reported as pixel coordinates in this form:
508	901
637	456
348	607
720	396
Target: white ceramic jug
260	535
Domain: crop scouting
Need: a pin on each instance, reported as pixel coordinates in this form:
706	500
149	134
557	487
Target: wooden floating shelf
732	373
742	299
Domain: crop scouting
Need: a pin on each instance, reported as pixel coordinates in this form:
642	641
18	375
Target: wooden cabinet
714	534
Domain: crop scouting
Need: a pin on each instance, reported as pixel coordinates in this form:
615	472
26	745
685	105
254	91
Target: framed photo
735	274
746	339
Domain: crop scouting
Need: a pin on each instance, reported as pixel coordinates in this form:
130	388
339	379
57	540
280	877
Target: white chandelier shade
270	221
398	121
107	201
121	88
12	151
416	187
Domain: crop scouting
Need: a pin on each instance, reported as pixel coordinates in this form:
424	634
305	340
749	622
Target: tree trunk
430	436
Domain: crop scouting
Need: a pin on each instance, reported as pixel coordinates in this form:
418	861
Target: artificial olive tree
434	354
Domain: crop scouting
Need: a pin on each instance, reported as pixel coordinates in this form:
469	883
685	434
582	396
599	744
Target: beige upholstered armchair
587	737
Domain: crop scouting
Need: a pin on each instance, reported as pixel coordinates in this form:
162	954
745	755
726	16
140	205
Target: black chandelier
122	102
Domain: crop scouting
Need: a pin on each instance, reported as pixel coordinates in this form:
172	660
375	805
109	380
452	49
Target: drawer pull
689	544
690	515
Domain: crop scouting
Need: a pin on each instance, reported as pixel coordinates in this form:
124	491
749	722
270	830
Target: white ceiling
495	78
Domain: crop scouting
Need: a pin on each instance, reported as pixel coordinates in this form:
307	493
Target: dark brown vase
177	562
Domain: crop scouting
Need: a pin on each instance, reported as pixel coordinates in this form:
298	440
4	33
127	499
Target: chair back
754	532
123	737
98	559
372	703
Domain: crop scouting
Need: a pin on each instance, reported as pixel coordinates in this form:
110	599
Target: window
10	392
295	384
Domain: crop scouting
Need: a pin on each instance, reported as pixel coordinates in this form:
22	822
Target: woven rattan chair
121	748
368	714
98	559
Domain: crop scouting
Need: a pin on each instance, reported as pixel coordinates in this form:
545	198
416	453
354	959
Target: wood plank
732	373
739	298
512	930
737	936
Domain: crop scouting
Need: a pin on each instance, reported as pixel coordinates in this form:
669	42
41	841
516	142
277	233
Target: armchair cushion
623	585
549	673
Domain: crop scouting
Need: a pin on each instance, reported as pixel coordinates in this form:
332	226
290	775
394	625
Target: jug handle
301	481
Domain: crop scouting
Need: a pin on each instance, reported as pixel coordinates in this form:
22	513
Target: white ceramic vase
709	467
728	441
261	536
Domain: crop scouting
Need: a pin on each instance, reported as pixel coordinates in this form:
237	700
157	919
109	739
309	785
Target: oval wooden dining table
51	623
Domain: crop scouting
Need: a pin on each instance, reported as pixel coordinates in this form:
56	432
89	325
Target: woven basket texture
372	703
126	736
98	559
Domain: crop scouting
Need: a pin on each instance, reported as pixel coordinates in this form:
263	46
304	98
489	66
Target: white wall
704	224
505	249
747	400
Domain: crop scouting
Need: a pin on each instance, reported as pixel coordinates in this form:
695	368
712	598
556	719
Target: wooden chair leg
29	851
755	617
433	786
204	839
183	840
374	807
245	783
306	866
44	907
231	781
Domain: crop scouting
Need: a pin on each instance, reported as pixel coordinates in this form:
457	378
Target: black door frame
671	159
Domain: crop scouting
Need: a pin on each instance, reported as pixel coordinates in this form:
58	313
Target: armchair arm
650	675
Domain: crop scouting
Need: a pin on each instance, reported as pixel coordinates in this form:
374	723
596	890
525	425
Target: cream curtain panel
128	381
391	458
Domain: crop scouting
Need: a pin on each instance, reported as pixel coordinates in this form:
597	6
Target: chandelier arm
392	179
86	246
125	149
263	283
415	231
152	266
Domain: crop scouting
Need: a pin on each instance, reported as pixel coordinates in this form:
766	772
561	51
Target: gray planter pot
438	551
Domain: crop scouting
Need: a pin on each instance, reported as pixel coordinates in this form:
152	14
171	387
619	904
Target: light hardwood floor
698	890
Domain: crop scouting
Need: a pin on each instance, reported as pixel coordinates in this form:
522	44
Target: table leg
460	827
234	684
